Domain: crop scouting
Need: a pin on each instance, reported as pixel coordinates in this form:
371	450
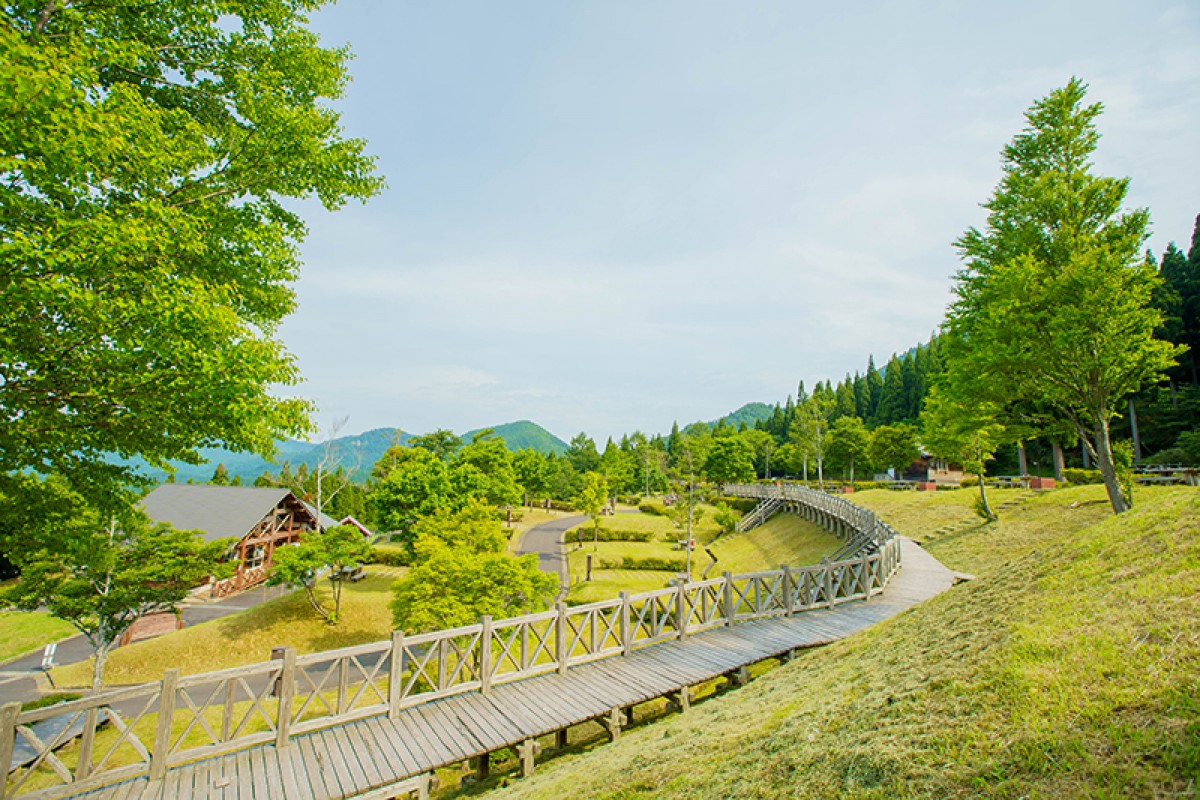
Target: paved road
547	541
19	678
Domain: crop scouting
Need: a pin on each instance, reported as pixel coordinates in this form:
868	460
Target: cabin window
254	557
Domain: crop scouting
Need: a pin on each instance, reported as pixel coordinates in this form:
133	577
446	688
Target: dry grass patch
248	636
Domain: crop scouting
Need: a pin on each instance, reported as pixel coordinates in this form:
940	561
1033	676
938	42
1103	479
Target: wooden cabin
260	519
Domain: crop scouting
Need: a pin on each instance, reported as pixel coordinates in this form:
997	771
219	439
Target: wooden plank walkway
368	758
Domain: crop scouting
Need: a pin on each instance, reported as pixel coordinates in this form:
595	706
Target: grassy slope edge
1069	667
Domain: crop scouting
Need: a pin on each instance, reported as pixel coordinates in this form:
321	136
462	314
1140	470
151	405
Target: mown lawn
1070	667
248	636
24	631
783	540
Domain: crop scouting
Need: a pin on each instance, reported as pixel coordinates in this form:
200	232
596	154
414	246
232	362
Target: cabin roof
217	511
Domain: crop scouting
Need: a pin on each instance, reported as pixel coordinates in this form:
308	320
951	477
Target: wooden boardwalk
380	757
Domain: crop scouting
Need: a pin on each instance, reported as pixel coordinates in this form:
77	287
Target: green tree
849	442
98	569
220	476
494	462
150	167
964	431
338	548
730	459
533	472
1053	303
894	446
462	572
418	487
812	427
443	443
592	499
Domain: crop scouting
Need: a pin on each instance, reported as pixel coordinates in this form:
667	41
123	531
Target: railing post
8	738
485	654
626	628
396	675
789	590
681	612
727	597
560	638
287	689
828	581
83	765
865	579
162	733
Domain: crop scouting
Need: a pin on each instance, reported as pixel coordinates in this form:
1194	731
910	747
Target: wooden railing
144	730
762	512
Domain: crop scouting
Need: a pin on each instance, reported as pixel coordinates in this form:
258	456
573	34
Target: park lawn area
248	636
785	539
24	631
921	514
1069	667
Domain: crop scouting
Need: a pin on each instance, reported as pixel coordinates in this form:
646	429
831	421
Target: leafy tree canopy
1053	303
147	155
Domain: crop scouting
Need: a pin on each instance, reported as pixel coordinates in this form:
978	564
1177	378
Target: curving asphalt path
547	541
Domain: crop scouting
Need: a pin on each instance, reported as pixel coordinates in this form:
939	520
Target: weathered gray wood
287	689
485	654
8	736
561	739
613	722
162	731
680	700
395	674
560	638
528	751
727	597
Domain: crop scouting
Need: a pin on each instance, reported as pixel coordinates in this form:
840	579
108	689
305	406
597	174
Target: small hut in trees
261	519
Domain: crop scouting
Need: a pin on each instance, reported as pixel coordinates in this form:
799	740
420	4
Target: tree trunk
98	664
1108	470
987	509
1059	464
851	470
1022	460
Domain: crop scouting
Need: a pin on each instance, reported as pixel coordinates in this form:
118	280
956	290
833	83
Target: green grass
248	636
784	539
22	632
1070	667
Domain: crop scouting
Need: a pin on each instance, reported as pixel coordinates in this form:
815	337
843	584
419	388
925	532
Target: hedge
391	555
654	507
1080	476
605	535
652	563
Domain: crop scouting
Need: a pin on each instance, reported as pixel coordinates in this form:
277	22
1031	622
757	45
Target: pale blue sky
606	216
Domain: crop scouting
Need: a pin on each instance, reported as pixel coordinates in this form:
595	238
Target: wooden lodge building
260	519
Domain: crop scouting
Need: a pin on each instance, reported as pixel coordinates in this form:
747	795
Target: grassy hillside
1069	667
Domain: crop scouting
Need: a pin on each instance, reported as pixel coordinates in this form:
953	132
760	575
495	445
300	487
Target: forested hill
523	434
355	454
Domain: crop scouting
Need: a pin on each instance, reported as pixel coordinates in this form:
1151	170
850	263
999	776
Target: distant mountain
519	435
356	454
751	413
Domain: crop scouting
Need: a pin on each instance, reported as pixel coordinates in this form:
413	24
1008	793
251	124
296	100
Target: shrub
742	504
1082	476
391	555
606	535
863	486
968	482
654	507
629	499
650	563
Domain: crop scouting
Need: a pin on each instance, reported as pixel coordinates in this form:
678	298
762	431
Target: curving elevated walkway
617	654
